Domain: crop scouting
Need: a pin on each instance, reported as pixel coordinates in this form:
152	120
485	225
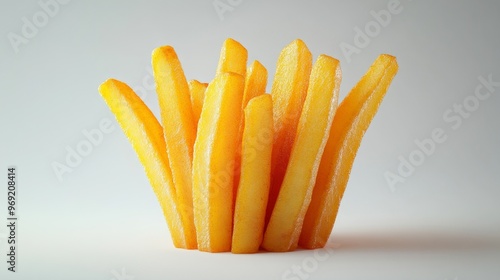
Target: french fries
179	129
233	58
213	162
350	123
253	187
255	82
238	170
283	229
197	91
255	85
289	92
146	135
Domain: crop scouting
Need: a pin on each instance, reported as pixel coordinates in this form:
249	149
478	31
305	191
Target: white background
102	220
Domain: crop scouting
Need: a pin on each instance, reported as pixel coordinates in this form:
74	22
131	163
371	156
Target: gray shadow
416	241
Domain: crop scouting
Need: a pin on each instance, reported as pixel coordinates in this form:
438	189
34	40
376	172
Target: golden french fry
197	91
179	129
283	230
213	164
146	136
255	85
233	58
289	92
349	125
253	189
255	82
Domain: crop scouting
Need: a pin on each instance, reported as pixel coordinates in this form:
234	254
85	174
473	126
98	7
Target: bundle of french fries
237	169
